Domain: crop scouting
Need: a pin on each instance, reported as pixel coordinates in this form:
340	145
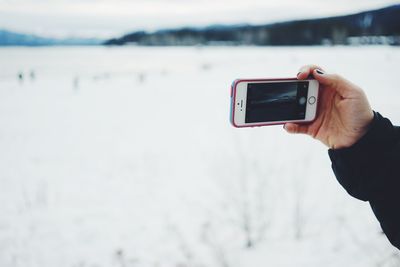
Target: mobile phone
260	102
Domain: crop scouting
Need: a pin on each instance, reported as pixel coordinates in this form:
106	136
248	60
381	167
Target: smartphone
261	102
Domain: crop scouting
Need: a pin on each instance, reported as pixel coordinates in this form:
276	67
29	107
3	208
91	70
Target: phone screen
276	101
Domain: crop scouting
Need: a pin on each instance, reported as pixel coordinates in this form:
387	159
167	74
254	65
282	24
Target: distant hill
381	26
11	38
8	38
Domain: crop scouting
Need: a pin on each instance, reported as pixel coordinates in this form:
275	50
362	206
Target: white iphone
261	102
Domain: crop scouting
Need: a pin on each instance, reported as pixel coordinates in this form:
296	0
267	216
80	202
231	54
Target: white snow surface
126	157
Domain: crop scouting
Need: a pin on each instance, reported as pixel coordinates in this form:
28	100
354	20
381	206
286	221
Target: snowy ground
125	157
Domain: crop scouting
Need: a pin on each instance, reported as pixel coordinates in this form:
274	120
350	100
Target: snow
125	157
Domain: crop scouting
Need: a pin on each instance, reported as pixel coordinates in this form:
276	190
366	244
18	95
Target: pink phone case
233	101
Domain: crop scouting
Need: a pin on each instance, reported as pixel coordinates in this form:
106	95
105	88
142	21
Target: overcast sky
105	18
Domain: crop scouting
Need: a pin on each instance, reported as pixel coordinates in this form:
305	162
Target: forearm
370	170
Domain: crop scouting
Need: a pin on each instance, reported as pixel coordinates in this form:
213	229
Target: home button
312	100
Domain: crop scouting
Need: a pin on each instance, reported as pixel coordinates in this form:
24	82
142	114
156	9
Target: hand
344	114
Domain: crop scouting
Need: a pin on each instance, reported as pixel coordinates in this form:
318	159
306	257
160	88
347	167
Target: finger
333	81
295	128
306	71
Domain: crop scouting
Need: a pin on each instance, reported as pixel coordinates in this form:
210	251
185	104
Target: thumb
295	128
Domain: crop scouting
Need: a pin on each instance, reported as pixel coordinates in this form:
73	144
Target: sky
110	18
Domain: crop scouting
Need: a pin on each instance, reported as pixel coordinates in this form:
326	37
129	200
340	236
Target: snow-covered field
125	157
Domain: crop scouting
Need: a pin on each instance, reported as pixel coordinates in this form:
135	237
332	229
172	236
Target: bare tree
187	251
247	195
299	185
218	251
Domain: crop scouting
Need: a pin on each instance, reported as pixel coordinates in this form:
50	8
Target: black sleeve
370	171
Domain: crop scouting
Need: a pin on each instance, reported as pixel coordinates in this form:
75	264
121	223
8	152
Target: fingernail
319	71
298	73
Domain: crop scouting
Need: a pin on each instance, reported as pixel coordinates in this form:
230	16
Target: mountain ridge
379	26
383	23
10	38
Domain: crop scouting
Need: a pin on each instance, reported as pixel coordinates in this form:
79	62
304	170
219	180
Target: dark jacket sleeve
370	171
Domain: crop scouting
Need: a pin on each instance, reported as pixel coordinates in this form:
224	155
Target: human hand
344	114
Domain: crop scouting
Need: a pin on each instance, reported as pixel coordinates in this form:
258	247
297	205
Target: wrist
356	133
